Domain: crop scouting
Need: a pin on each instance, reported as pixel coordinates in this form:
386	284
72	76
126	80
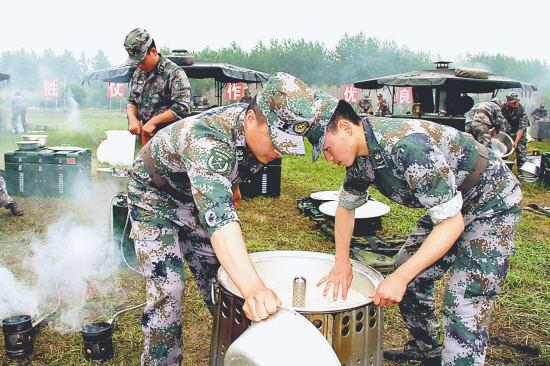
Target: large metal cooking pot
502	144
353	327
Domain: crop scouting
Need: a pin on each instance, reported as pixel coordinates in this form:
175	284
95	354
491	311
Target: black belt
157	180
475	175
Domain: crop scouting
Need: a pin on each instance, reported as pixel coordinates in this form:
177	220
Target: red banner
51	88
116	90
349	93
405	95
234	91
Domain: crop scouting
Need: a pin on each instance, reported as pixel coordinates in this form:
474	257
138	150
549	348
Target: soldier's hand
390	291
236	195
260	304
514	144
149	129
340	275
134	126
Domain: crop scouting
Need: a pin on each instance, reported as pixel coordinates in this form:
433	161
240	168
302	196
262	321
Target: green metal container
55	171
120	230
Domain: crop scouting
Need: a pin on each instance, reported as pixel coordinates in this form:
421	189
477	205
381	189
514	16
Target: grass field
520	326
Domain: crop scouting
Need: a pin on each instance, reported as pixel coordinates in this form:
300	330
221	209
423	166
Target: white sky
445	28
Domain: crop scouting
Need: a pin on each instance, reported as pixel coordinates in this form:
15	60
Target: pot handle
214	290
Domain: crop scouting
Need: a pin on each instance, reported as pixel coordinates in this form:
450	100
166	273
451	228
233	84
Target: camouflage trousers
480	131
521	150
162	248
5	199
475	280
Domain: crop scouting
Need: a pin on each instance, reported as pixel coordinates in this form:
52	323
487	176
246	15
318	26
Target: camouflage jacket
488	113
245	99
199	157
422	164
365	105
383	107
166	87
516	118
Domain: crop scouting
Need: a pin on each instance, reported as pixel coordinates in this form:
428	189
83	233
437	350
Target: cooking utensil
324	196
371	209
28	145
285	338
42	139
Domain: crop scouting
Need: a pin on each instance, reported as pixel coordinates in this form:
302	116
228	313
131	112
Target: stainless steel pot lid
369	210
324	196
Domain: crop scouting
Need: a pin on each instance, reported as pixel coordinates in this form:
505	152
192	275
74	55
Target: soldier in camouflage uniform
383	108
515	115
160	92
181	209
247	98
472	201
6	201
365	105
484	120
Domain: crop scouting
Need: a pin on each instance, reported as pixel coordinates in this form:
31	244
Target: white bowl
324	196
285	338
369	210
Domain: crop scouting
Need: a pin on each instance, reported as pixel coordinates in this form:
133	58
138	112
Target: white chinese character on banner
404	95
116	90
350	94
50	88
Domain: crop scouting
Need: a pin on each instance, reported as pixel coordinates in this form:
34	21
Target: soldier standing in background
18	113
160	92
517	123
6	201
365	105
540	112
247	98
383	108
484	120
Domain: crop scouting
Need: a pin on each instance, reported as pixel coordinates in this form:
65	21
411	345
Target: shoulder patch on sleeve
219	161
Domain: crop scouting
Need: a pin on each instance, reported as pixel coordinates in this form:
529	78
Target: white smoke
78	253
16	297
74	118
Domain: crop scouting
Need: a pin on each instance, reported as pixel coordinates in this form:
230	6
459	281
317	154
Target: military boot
15	210
411	353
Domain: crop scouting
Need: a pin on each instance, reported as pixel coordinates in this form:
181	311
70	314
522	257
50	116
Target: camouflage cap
512	97
294	110
136	43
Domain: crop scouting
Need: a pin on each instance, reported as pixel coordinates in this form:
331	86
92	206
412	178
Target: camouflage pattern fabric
162	248
164	88
517	120
365	106
137	43
474	282
421	164
481	119
246	99
294	110
383	107
198	157
5	198
480	131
